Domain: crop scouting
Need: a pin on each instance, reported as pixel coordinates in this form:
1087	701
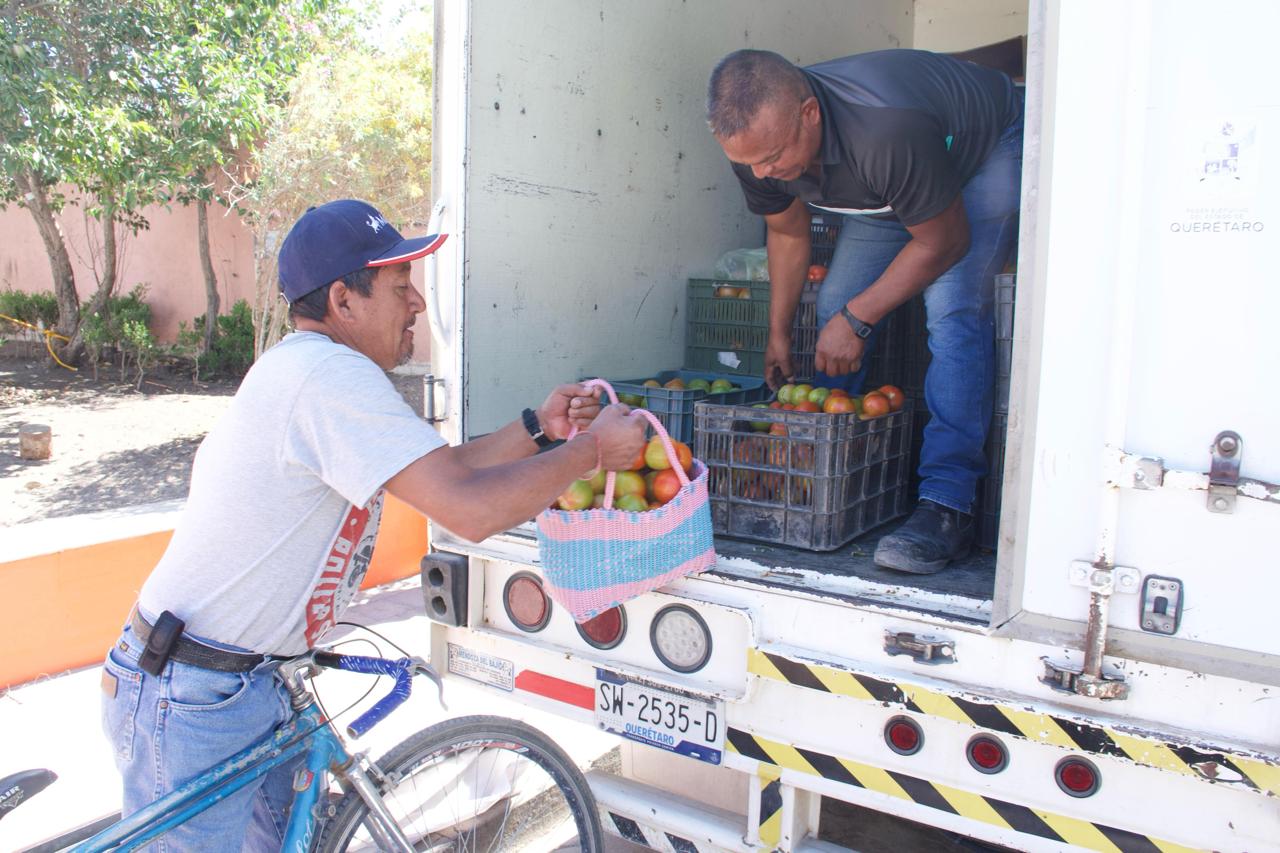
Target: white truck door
1147	316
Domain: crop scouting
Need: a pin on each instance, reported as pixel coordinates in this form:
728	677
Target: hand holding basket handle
658	428
596	559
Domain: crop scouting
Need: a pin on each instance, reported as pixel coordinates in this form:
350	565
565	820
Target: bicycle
519	791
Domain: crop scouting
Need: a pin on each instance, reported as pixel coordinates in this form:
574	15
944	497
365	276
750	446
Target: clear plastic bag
743	265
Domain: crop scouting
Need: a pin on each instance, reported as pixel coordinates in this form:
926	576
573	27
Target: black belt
196	653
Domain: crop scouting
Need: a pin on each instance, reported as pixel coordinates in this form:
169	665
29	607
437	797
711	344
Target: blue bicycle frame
308	731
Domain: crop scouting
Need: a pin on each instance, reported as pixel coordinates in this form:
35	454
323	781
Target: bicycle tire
516	820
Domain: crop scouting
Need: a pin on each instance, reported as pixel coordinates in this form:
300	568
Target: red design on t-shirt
344	568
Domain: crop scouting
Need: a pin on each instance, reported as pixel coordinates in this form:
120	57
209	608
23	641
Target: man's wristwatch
861	329
530	419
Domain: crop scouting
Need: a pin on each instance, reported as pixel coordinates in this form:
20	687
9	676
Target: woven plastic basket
596	559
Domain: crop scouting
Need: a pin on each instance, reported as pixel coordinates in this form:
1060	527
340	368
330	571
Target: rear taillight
986	754
1077	777
605	630
903	735
526	604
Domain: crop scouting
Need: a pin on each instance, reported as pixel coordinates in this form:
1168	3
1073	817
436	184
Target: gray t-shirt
286	494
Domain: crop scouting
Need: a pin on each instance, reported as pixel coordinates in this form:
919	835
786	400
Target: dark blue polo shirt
902	132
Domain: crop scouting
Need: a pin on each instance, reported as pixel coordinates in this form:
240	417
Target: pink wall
164	256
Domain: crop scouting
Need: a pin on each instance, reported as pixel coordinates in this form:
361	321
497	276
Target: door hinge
1224	471
435	407
922	648
1223	482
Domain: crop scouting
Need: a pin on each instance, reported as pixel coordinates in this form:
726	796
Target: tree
357	124
125	103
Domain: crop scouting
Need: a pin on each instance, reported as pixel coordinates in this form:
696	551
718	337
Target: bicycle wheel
477	783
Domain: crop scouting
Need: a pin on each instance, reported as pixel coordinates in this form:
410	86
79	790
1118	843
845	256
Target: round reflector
680	638
1077	777
903	735
526	604
605	630
986	754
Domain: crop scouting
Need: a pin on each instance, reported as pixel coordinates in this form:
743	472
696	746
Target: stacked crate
806	479
673	407
902	358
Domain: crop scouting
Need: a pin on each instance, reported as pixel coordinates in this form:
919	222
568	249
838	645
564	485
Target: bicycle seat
19	787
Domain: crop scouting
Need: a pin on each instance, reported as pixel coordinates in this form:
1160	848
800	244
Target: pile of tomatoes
648	483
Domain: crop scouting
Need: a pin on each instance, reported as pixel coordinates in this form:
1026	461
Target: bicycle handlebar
402	670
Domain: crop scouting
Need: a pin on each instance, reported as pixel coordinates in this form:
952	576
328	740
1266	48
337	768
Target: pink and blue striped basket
596	559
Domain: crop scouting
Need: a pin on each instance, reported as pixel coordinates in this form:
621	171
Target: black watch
861	329
530	419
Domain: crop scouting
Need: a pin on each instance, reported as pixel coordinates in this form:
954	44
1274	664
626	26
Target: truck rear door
1147	312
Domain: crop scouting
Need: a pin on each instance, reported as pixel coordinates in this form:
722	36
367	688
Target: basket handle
672	456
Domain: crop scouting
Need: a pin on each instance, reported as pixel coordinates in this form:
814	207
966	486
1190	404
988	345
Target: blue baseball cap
338	238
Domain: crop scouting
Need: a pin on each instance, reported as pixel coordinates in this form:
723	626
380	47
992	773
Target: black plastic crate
728	327
901	353
824	234
1006	289
827	480
990	488
674	407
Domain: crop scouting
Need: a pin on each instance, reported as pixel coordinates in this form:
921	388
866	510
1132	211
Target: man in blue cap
286	494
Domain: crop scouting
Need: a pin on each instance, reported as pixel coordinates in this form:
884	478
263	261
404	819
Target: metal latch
922	648
1224	471
1067	679
1161	604
431	412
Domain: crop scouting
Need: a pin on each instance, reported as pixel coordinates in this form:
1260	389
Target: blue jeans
958	387
167	729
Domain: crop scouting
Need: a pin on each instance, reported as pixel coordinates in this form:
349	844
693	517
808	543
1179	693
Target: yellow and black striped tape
1069	830
1254	773
770	779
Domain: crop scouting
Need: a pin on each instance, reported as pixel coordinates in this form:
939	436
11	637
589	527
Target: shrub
124	324
34	308
231	351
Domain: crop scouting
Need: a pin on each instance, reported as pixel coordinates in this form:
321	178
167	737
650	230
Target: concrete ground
54	723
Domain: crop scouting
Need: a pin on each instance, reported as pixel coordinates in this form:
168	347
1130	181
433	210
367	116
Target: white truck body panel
582	189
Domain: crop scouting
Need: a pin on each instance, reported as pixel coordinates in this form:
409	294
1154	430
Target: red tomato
875	404
807	406
839	403
895	395
817	272
666	485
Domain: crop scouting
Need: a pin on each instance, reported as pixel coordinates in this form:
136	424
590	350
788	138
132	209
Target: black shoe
933	536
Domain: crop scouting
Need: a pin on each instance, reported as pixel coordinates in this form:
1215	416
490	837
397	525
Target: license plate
669	719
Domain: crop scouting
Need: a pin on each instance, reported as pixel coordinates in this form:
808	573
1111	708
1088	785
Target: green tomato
699	385
721	386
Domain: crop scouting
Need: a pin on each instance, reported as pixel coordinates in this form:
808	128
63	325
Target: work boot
933	536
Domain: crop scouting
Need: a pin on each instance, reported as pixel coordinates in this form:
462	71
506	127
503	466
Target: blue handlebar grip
403	673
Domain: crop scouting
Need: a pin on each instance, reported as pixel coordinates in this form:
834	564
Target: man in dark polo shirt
922	154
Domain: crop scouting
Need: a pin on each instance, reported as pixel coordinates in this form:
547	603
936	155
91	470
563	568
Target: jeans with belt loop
165	730
959	304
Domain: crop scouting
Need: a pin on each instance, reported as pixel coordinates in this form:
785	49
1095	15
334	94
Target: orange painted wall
164	257
62	610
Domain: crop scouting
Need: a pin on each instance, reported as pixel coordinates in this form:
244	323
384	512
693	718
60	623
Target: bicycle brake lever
421	667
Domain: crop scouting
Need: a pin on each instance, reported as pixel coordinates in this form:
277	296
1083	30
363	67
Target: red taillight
903	736
525	602
606	630
1077	777
986	754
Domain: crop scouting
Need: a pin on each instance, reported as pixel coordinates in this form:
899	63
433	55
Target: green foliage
231	353
33	308
132	104
124	325
357	124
